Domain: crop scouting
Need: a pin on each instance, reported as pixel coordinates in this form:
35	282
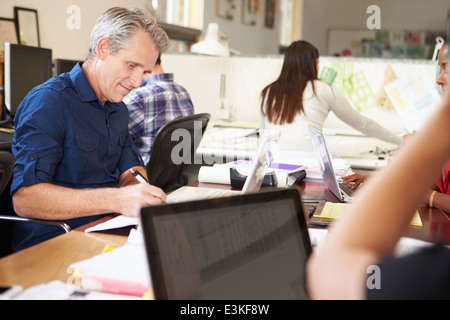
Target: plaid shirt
157	101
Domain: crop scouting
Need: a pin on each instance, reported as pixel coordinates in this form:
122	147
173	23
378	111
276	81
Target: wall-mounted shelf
188	35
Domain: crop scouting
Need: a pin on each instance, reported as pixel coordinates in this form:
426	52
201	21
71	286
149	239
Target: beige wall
73	44
320	15
54	33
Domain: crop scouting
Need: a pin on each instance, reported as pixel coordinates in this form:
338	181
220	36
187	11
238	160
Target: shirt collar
81	84
84	88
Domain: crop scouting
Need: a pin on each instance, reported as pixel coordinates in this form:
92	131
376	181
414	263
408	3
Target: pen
141	179
312	210
139	176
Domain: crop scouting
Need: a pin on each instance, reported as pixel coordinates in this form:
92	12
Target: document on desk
59	290
335	210
182	194
124	270
115	223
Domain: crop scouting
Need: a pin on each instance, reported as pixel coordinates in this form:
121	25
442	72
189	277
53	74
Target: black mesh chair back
7	215
6	169
174	150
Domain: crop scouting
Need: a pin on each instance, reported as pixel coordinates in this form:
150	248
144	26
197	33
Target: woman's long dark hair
282	100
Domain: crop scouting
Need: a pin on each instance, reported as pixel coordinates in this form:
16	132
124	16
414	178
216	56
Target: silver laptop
246	247
326	166
260	163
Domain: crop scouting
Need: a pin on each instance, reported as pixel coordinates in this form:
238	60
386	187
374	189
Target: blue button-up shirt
65	136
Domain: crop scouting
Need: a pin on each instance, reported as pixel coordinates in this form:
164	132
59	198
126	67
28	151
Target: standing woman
297	98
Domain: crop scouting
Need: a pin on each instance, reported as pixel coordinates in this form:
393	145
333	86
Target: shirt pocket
87	143
85	161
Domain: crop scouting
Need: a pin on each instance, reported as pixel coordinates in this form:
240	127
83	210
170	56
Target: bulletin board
342	41
403	44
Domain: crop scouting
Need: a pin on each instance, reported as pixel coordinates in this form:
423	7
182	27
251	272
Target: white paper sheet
115	223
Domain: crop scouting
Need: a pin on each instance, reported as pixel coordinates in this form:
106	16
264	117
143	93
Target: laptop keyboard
347	188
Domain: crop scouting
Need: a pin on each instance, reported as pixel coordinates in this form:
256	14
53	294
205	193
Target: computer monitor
64	65
25	68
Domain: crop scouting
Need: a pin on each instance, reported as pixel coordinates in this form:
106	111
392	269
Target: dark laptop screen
252	246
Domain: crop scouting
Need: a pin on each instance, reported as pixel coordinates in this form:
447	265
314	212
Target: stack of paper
124	270
58	290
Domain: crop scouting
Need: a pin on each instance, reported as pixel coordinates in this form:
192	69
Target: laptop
250	246
260	163
341	191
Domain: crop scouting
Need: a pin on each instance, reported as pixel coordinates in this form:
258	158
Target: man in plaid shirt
157	101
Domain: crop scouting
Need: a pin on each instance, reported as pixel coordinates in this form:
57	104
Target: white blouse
295	136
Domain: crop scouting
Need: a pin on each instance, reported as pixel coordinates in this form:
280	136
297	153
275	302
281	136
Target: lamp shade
211	44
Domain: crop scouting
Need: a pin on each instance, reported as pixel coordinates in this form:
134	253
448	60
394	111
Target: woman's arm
344	111
437	199
381	212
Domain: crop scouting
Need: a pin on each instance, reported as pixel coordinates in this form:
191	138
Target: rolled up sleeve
35	145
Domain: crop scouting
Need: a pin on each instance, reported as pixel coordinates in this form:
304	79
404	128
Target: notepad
334	211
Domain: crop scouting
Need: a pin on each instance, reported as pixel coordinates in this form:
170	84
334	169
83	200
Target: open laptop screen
261	161
324	159
252	246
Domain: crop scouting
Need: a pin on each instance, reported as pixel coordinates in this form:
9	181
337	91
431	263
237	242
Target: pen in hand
140	178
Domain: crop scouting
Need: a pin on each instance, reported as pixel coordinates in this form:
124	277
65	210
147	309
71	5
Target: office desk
49	260
436	224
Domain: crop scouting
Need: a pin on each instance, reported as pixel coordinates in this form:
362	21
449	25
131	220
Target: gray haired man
72	148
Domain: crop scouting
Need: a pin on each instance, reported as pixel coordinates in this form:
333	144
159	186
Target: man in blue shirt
158	101
71	145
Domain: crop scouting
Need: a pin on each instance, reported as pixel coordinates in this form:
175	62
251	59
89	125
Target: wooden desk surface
49	260
436	224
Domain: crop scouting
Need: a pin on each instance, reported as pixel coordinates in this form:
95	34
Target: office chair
6	169
169	159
